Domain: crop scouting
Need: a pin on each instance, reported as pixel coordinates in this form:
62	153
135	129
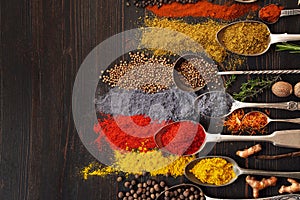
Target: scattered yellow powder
135	163
96	169
216	171
175	168
203	33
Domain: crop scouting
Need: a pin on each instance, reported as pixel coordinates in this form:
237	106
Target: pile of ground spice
204	9
144	3
202	33
172	104
149	74
127	132
130	163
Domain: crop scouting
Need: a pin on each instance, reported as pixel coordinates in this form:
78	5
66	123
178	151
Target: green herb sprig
253	87
292	48
230	81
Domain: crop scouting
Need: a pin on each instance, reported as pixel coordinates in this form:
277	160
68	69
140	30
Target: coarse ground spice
254	121
128	132
216	171
172	104
270	13
203	8
149	74
174	168
253	35
203	33
182	138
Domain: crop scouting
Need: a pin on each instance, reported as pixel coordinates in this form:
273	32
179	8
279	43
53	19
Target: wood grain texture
42	45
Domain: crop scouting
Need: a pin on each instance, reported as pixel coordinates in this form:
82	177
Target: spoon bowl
245	1
189	138
270	38
219	104
265	120
237	170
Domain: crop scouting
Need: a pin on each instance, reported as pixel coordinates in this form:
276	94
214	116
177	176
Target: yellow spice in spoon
216	171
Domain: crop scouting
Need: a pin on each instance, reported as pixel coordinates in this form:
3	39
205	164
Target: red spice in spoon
270	13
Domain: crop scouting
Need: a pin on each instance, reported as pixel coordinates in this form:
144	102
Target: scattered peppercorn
148	189
182	191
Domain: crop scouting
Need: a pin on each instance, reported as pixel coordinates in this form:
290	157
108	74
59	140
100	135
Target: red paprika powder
270	13
204	9
128	132
182	138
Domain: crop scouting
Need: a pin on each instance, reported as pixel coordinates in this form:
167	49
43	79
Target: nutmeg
297	90
282	89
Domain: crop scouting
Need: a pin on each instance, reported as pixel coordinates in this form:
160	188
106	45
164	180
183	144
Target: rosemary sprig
253	87
292	48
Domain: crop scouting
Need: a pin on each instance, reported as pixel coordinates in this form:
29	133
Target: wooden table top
43	43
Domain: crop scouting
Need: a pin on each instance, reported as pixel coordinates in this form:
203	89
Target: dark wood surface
43	44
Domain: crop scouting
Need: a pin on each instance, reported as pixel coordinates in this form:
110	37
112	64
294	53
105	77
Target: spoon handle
296	120
287	71
271	173
284	37
291	105
289	12
278	197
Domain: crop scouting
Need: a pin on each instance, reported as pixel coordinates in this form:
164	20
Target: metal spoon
267	119
187	186
219	104
237	170
208	71
283	13
273	38
286	138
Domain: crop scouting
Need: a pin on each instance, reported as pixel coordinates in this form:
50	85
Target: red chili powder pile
183	138
270	13
204	9
128	132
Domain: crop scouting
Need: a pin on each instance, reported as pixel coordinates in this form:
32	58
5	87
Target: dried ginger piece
259	185
250	151
294	187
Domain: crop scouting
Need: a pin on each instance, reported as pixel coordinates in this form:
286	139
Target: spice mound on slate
216	171
172	104
214	104
270	13
182	138
204	9
253	35
149	74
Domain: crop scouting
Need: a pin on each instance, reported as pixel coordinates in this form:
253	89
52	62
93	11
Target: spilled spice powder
128	132
204	9
203	33
175	168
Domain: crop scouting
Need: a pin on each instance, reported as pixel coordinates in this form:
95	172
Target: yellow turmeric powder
133	163
216	171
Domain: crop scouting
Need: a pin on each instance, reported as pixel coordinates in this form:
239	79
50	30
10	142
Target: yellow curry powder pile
137	163
203	33
216	171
